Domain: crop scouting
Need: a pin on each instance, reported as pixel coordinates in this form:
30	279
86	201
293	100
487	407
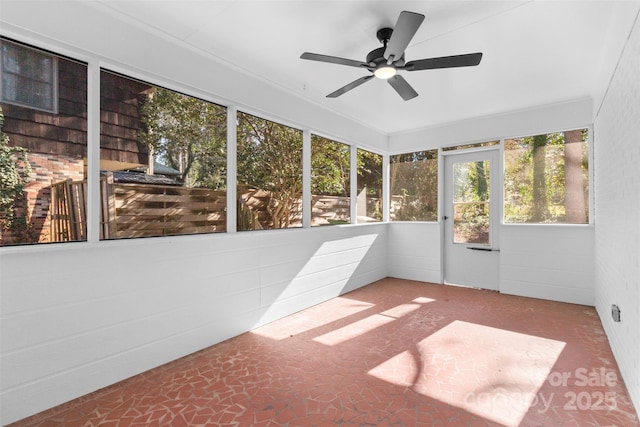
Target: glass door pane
471	202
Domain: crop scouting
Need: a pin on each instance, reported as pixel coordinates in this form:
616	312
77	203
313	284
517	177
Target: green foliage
330	165
470	182
269	157
369	173
370	179
414	186
14	173
187	134
471	197
534	178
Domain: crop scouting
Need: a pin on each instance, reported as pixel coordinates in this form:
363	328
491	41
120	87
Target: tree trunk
481	190
575	203
539	182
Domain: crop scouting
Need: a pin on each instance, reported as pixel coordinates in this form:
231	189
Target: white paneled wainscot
548	261
80	316
414	251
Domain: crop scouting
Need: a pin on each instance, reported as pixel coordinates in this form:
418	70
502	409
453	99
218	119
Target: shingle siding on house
120	102
49	133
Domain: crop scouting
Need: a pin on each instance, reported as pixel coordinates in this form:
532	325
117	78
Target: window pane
269	174
471	198
42	154
28	77
162	161
330	182
414	186
369	198
547	178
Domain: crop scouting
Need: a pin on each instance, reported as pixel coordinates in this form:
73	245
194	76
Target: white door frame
484	258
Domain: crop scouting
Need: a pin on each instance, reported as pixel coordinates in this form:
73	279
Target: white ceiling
535	52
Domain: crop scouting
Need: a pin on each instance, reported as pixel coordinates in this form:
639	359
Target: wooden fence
68	211
137	210
144	210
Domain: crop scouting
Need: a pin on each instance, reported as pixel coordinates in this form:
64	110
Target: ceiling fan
385	62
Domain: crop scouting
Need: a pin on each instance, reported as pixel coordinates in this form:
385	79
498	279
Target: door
472	218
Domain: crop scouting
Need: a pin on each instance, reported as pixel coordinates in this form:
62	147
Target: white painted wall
617	237
539	261
549	118
548	261
79	316
414	251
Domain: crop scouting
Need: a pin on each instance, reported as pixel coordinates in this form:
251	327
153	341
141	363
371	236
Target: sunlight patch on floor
493	373
332	310
361	327
354	330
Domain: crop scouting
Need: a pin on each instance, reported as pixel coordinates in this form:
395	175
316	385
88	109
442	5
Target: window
269	163
468	146
471	202
369	197
330	182
414	186
42	153
28	77
546	178
162	161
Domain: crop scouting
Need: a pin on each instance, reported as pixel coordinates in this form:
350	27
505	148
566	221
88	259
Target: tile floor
395	353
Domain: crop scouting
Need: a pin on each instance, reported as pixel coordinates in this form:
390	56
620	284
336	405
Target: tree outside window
330	182
369	196
414	186
269	163
546	178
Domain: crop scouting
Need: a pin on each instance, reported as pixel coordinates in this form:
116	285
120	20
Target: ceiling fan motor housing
384	34
376	56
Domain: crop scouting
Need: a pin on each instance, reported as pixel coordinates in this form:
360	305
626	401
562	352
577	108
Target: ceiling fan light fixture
385	72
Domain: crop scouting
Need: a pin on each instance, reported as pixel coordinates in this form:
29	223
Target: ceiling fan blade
354	84
406	27
468	60
403	88
332	59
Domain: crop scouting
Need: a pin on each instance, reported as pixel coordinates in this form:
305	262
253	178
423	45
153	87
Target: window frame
117	73
53	83
237	148
590	178
347	147
355	191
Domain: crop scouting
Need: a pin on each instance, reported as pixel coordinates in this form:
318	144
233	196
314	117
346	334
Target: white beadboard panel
617	202
131	305
414	251
552	262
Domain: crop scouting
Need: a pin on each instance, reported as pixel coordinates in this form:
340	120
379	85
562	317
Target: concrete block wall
617	202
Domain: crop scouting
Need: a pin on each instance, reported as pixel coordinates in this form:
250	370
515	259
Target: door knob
445	217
